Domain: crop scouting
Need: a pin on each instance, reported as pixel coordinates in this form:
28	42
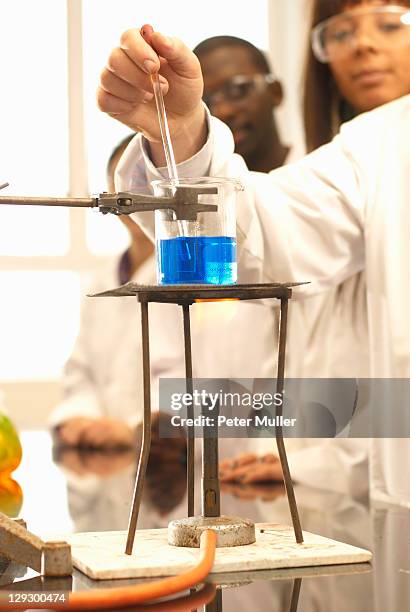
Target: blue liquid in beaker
197	260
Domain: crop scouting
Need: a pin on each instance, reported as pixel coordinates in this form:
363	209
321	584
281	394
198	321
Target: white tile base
100	555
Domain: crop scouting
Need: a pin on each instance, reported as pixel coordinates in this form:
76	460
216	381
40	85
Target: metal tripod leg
190	412
297	583
146	431
278	430
216	603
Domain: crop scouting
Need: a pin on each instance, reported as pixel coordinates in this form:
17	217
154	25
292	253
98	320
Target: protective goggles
238	88
338	36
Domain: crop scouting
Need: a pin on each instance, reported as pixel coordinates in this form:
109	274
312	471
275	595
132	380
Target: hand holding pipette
125	91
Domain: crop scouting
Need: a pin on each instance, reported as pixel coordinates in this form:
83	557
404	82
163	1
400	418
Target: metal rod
146	430
211	498
45	201
297	583
190	412
278	429
216	604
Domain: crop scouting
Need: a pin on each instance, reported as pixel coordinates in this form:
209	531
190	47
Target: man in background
241	90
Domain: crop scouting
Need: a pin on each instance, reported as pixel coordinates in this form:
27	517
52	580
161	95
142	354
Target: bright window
33	123
39	321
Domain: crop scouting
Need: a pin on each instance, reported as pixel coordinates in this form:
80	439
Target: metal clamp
184	202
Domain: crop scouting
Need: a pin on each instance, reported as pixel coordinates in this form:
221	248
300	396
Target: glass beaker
201	251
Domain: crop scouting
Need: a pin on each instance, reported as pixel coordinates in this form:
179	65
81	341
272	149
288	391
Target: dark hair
324	109
120	147
216	42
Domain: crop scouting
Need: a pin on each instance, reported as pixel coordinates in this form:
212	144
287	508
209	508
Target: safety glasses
238	88
337	37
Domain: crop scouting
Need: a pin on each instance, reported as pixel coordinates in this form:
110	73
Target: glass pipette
166	140
163	125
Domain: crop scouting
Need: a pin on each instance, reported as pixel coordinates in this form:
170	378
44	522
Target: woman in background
357	61
367	64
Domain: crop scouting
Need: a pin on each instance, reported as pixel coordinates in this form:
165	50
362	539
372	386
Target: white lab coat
103	376
340	207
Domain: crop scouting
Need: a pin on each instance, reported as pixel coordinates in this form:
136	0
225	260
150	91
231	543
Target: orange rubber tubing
121	597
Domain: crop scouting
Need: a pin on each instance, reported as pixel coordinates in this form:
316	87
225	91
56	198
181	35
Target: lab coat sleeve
339	465
336	464
80	395
302	222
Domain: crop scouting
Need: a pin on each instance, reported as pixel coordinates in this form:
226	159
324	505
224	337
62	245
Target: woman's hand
126	91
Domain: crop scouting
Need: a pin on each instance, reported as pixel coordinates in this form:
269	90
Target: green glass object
10	447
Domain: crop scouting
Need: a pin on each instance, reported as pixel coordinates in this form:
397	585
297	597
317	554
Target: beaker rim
209	180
